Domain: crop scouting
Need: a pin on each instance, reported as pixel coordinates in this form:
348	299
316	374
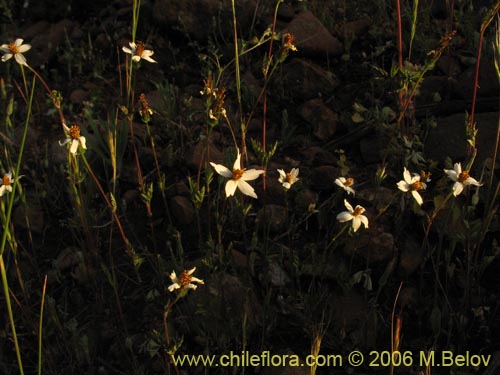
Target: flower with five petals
16	49
6	186
138	52
288	179
413	185
73	136
346	183
238	177
461	178
184	281
356	215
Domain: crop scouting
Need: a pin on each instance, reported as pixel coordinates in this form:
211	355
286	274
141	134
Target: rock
316	155
45	45
371	149
197	155
199	24
448	138
322	118
307	80
312	38
375	245
323	177
488	81
78	96
411	257
304	199
182	210
273	216
352	30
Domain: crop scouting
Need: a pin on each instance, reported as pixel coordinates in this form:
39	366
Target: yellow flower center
463	176
238	173
348	182
6	180
358	211
13	48
74	131
416	186
289	178
139	50
185	278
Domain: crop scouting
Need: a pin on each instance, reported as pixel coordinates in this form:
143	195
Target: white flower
353	214
238	177
73	136
6	184
461	178
139	52
413	185
184	281
16	49
288	179
346	183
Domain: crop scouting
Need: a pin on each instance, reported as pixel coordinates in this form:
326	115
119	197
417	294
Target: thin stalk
484	26
3	271
40	326
238	80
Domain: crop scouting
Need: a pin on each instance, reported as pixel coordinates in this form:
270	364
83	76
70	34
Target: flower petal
344	216
403	186
74	146
356	223
364	220
472	181
407	176
231	186
24	48
246	189
251	174
223	171
417	197
83	142
457	188
237	162
348	206
20	59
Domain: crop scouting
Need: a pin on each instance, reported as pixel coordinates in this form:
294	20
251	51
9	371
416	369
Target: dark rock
182	210
488	80
307	80
412	256
448	138
323	177
312	38
316	155
199	23
273	216
322	118
198	155
375	245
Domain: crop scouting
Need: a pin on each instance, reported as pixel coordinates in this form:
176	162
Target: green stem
3	271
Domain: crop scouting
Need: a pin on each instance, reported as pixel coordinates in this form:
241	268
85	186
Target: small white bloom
238	177
461	178
139	52
346	183
73	136
412	184
16	49
288	179
356	215
184	281
6	186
